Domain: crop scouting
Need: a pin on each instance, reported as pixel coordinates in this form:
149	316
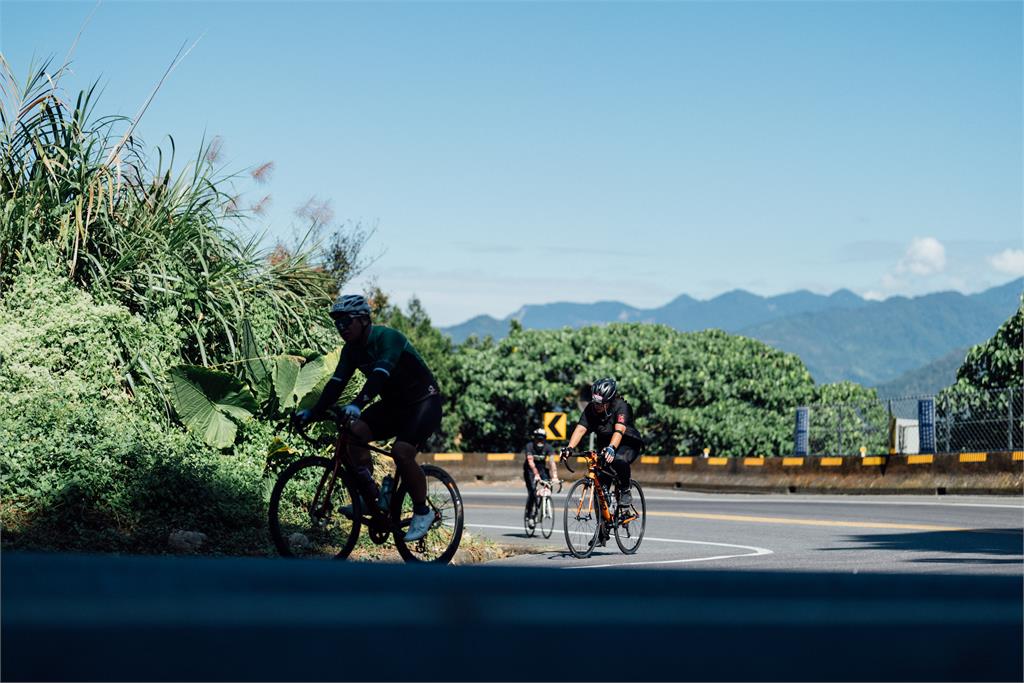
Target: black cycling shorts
412	423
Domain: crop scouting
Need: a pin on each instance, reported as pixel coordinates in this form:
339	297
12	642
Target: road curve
842	534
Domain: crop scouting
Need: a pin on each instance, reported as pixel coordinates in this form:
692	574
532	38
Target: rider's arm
532	464
387	351
336	384
577	436
623	418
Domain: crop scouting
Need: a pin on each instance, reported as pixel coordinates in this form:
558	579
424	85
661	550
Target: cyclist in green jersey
409	408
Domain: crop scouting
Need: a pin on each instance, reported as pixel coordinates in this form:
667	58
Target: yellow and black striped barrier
970	472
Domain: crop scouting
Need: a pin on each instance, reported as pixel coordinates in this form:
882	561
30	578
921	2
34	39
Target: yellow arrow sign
554	426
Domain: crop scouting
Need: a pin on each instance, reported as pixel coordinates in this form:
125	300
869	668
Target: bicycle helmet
350	304
539	433
603	390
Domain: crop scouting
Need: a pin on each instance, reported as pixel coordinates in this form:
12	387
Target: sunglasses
342	322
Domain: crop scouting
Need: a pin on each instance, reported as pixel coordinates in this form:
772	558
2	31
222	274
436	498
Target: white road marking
760	501
756	550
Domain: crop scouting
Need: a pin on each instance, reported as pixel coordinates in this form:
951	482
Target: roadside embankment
996	472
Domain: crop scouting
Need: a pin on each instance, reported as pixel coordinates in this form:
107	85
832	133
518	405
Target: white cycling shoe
419	526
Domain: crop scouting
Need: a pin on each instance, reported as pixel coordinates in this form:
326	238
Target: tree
688	390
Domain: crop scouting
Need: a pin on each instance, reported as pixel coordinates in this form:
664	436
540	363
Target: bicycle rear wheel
305	518
582	518
631	521
444	499
547	521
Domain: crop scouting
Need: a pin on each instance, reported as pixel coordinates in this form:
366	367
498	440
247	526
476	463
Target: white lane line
797	501
756	550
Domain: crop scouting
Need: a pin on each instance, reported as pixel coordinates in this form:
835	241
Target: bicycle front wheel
529	522
445	501
582	520
631	520
306	515
547	522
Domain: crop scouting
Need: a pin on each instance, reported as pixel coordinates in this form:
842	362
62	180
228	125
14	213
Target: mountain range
839	336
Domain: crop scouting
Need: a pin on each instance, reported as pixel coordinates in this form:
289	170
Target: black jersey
540	455
603	425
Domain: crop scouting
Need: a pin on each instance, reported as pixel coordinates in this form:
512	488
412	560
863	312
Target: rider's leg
625	455
531	493
362	462
415	424
409	470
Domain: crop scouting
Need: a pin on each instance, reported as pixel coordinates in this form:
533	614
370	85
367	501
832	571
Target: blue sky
513	153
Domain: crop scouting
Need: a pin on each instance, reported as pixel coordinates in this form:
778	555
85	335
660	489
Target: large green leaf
286	371
206	400
258	369
313	377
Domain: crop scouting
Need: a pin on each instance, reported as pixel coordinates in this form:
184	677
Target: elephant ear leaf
259	369
313	377
286	371
206	400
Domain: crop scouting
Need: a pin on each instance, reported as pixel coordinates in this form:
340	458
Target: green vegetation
688	390
147	352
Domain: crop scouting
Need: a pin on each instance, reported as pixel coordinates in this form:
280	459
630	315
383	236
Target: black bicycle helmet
603	390
539	434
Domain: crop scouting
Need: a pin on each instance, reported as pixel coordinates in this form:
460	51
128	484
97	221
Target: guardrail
995	472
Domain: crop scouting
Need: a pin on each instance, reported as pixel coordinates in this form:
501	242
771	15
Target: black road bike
316	510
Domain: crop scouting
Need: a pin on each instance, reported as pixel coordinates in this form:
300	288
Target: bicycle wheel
443	497
529	522
305	520
582	518
547	522
631	521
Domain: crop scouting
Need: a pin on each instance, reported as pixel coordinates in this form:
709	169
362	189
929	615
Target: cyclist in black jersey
409	408
538	464
610	418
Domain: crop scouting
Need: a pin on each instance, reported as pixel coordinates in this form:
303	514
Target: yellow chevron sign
554	426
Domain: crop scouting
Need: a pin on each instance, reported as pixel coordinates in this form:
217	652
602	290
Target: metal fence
954	420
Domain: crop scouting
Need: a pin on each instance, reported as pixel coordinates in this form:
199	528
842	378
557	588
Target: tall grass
136	230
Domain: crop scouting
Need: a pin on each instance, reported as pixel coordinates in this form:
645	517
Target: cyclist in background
409	408
538	464
610	418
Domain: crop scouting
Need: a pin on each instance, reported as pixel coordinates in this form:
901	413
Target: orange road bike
316	510
591	510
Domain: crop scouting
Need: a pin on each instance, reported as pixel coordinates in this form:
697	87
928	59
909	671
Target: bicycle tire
629	536
576	524
294	529
442	541
547	523
528	517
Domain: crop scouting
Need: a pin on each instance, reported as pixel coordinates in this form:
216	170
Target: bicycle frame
341	459
593	470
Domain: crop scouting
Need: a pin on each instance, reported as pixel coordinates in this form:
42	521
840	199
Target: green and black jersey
392	366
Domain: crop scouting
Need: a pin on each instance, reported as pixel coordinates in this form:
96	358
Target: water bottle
386	486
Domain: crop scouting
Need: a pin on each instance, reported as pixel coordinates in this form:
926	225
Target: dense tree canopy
688	391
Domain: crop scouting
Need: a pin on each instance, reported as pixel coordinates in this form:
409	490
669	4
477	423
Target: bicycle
583	519
543	513
316	510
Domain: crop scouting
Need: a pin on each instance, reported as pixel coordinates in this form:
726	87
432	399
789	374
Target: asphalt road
802	533
724	587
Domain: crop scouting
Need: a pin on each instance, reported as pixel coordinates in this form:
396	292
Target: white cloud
924	256
1009	261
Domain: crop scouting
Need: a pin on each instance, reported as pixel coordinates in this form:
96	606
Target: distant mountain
839	337
928	379
878	342
730	311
